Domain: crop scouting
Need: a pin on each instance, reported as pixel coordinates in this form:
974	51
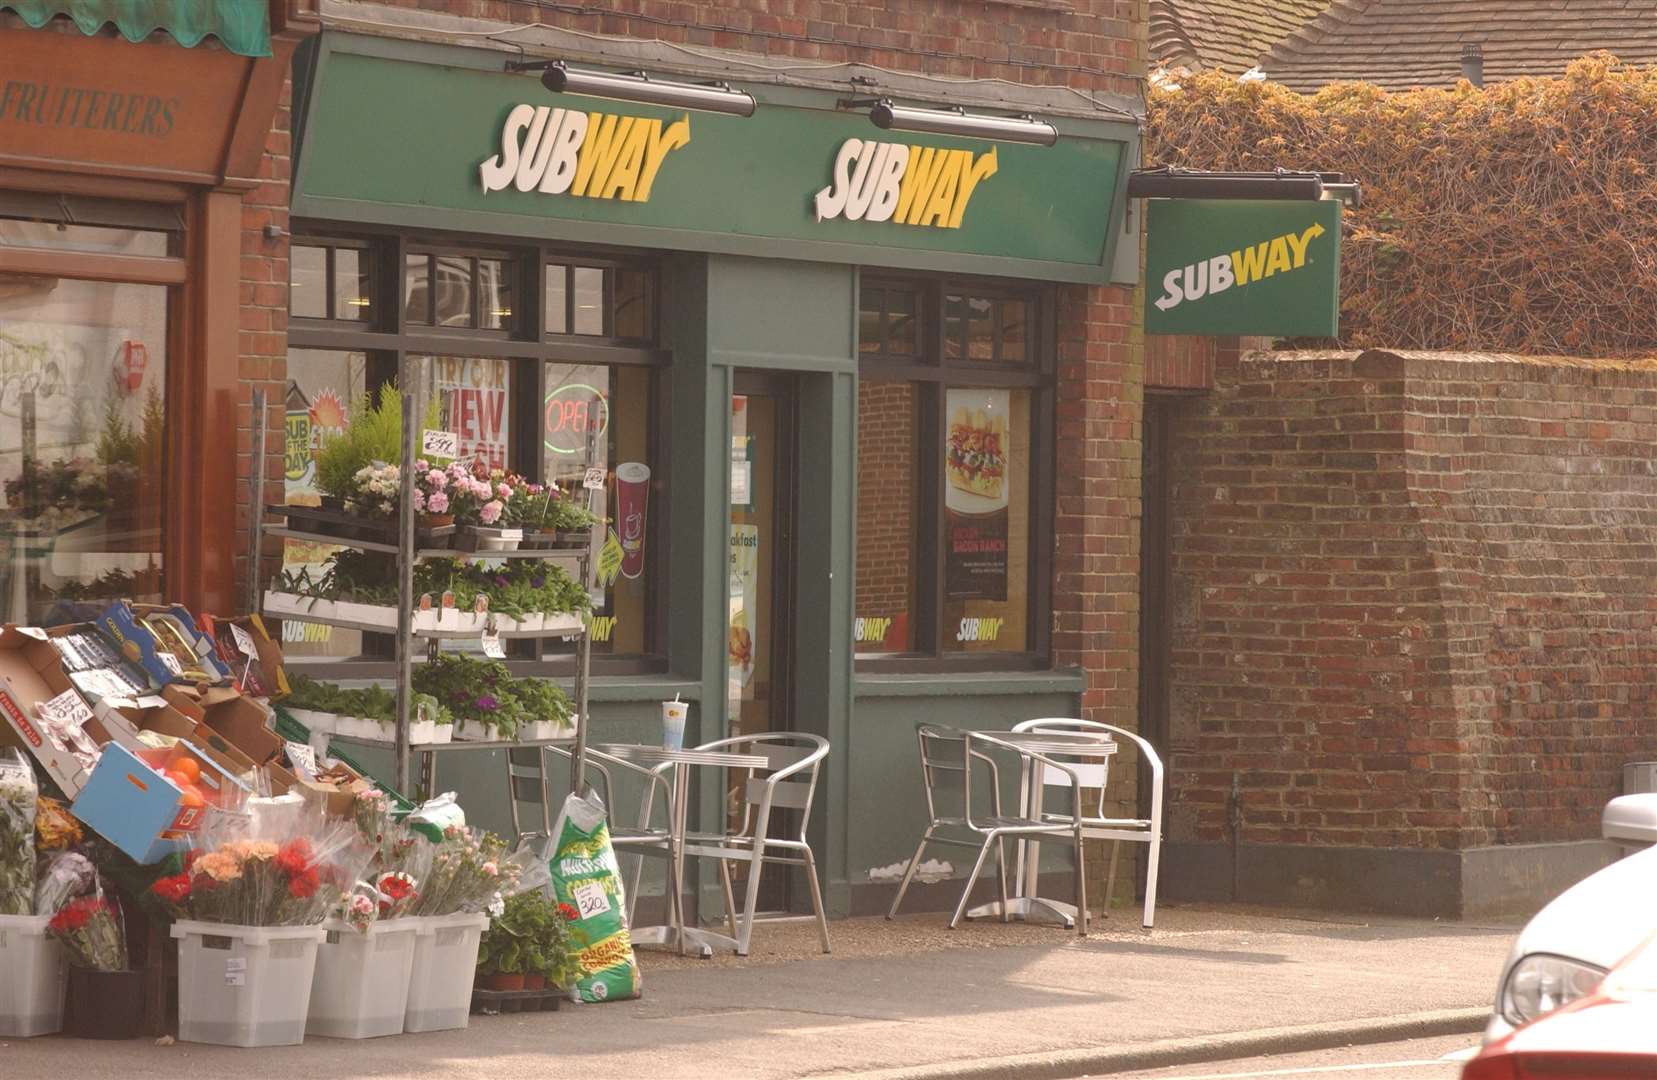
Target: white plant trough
33	973
362	980
440	982
244	985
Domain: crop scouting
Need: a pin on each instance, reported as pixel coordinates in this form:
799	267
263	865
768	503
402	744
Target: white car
1564	951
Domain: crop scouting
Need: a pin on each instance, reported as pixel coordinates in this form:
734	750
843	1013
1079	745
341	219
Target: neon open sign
575	412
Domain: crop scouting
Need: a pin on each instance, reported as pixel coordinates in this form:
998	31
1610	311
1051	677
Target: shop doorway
761	613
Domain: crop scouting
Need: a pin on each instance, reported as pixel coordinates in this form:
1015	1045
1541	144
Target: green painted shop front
755	278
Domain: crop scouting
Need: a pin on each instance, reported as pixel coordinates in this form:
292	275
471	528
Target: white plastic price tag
492	646
244	641
594	479
440	444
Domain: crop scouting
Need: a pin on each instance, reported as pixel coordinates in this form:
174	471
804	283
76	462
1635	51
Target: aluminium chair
1099	825
947	758
789	782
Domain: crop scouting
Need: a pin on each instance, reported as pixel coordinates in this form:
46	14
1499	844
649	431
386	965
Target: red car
1610	1033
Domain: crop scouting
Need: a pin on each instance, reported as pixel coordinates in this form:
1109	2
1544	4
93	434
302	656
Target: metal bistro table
678	934
1095	752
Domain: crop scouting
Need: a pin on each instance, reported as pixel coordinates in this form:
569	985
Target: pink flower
438	503
437	479
420	465
491	512
419	500
489	869
503	490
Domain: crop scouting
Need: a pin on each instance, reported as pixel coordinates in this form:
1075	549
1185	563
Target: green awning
243	26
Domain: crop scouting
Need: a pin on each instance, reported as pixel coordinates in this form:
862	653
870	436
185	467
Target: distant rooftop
1223	35
1403	44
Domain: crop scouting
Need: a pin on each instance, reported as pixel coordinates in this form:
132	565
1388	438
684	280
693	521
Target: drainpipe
1234	817
1472	63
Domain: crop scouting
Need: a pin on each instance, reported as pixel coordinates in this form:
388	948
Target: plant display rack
413	546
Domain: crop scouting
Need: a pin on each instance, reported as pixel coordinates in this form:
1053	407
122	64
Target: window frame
386	337
934	374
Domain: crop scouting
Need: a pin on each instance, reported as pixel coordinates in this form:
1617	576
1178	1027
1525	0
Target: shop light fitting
957	121
1278	185
637	86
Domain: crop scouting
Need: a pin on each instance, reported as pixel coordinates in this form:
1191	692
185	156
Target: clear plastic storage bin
445	959
32	976
244	985
362	980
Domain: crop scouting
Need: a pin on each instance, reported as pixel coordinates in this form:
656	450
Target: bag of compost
586	881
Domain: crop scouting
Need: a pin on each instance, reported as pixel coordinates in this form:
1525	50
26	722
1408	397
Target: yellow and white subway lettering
591	154
910	185
1268	258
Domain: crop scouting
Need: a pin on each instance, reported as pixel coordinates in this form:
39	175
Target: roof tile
1230	35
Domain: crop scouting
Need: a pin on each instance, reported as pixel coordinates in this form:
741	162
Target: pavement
912	999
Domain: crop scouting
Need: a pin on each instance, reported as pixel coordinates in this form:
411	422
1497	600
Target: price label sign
593	480
440	444
492	646
170	662
67	710
590	899
244	641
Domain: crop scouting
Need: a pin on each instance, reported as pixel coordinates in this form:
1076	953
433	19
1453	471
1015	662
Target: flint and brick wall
1414	600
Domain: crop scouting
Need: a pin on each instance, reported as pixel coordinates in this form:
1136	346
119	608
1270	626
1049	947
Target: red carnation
304	885
173	890
294	857
76	913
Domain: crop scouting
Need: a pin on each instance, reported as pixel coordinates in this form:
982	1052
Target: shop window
952	517
601	416
475	393
330	281
455	290
83	375
600	301
323	387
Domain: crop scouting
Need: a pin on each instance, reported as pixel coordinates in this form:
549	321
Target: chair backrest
781	750
1092	774
943	767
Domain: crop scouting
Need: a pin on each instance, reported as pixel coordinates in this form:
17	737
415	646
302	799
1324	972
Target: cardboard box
267	676
337	788
122	624
31	673
129	802
116	678
242	721
125	719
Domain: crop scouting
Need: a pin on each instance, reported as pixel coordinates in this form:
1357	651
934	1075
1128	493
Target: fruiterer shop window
83	405
954	501
543	362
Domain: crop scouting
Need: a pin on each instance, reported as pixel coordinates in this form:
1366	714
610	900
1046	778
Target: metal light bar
1020	129
714	97
1184	184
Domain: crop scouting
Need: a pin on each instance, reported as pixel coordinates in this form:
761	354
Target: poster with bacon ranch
977	486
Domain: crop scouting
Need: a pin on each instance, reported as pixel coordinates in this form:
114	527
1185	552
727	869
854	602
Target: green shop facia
816	360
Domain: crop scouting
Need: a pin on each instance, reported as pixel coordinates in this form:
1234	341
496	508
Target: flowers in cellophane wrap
243	876
90	929
473	871
396	871
63	877
18	793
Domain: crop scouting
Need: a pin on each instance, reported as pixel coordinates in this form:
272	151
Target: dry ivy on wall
1517	218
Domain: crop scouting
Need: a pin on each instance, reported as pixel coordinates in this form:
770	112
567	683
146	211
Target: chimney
1472	64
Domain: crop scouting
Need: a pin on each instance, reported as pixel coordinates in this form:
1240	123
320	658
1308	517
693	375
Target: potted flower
527	945
106	998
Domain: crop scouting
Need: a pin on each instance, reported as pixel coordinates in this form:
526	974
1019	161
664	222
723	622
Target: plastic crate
445	960
362	980
33	972
244	985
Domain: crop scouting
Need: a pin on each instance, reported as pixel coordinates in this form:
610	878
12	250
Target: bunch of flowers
252	880
90	928
378	488
400	862
17	834
469	872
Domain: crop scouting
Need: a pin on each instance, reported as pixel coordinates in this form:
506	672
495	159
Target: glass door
759	655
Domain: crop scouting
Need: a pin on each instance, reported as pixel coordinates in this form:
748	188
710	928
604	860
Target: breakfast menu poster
976	490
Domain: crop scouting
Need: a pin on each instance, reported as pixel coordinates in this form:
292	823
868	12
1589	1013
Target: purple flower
488	703
500	580
538	581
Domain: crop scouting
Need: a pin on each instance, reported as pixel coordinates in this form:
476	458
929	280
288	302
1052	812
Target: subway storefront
816	361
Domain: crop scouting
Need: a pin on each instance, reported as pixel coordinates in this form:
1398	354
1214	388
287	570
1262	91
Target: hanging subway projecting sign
491	153
1217	266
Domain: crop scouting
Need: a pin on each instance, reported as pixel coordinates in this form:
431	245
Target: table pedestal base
1030	909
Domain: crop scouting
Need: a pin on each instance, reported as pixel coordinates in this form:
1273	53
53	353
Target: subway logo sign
1243	267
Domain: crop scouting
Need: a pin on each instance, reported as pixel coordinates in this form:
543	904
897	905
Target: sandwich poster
977	481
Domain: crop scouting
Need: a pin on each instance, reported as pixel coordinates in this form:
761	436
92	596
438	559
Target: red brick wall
1088	45
262	362
1412	600
887	494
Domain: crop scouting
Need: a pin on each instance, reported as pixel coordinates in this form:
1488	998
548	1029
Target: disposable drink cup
673	724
